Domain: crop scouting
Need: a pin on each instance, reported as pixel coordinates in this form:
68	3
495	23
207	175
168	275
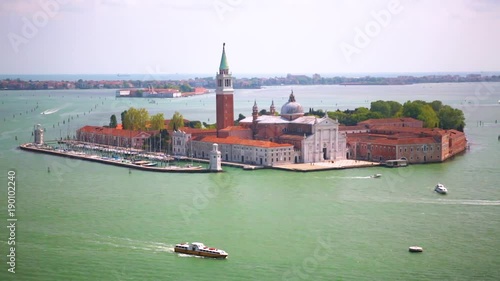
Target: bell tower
224	94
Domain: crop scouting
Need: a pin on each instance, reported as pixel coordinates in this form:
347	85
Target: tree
429	116
436	105
411	109
112	121
451	118
194	124
124	126
176	122
157	122
136	119
381	107
240	117
396	108
185	88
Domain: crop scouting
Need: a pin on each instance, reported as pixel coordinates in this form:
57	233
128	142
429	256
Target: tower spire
223	60
224	94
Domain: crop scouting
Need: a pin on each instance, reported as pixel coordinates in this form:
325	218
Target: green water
88	221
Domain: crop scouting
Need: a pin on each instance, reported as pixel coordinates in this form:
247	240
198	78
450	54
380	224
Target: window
220	83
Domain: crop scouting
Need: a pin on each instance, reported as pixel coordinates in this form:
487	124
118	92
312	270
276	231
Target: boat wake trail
467	202
335	177
127	243
50	111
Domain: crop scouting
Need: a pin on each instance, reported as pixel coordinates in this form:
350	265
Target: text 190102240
11	220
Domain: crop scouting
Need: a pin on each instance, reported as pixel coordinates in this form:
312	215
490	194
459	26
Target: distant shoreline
238	83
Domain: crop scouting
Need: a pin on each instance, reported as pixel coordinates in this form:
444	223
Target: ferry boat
199	249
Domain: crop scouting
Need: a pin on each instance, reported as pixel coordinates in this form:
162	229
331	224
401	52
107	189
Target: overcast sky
262	36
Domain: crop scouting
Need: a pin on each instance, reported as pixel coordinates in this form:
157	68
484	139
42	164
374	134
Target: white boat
199	249
440	188
415	249
376	175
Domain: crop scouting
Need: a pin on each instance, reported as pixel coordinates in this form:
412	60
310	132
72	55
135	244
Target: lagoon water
88	221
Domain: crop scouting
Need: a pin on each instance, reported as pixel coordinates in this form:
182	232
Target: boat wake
467	202
127	243
50	111
335	177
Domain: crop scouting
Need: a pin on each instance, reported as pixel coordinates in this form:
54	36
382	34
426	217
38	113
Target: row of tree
433	114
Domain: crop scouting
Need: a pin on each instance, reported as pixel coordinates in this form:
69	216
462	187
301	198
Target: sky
261	36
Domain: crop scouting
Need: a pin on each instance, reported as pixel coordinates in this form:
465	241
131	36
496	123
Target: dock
95	158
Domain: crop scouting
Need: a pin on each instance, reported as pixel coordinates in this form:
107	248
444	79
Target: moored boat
199	249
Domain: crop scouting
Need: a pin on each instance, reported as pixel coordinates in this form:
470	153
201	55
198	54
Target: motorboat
440	188
199	249
376	175
415	249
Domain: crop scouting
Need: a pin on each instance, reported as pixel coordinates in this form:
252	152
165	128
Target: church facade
266	140
314	139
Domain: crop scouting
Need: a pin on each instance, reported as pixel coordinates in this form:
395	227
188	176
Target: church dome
292	107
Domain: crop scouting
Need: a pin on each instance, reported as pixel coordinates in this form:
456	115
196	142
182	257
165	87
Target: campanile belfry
224	94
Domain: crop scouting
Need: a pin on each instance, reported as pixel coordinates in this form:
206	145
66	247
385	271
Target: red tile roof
390	140
433	131
235	128
110	131
235	140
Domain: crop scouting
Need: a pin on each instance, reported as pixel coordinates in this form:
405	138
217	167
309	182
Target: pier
110	161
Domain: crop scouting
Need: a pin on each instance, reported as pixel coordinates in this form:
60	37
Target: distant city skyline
300	37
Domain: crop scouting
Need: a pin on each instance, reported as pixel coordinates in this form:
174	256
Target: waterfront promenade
327	165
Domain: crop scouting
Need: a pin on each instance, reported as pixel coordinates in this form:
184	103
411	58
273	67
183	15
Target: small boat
199	249
376	175
441	189
415	249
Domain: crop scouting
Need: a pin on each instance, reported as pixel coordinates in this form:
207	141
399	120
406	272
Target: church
266	140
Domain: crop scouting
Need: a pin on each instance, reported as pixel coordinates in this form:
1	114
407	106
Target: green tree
136	119
382	107
396	107
411	109
157	122
241	117
451	118
194	124
112	121
176	122
125	125
429	116
185	88
436	105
